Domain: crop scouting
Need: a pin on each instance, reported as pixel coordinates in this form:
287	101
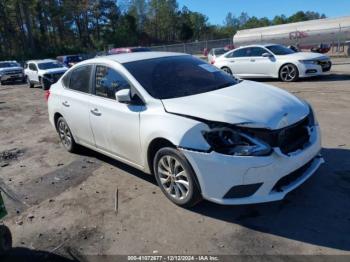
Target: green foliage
47	28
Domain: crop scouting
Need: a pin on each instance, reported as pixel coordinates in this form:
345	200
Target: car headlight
48	77
308	62
233	142
312	117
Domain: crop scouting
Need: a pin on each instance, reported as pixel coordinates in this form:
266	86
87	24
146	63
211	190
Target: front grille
288	179
55	77
288	139
326	65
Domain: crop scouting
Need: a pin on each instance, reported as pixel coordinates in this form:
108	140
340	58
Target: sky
216	10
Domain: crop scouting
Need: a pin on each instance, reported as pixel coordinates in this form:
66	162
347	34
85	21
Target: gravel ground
65	202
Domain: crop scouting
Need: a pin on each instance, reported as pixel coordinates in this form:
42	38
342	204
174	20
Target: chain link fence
193	47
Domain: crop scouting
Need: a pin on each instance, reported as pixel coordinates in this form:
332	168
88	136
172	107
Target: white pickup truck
43	72
11	71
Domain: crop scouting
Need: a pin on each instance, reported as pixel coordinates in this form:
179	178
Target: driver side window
108	81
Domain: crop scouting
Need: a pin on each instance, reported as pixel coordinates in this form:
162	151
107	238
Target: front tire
5	239
29	84
65	135
227	70
176	177
289	73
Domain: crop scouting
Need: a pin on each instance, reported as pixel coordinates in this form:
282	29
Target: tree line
47	28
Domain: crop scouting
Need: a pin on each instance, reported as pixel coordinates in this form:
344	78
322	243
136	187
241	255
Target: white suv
201	132
11	71
43	72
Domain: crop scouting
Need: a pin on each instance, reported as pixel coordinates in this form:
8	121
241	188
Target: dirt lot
67	201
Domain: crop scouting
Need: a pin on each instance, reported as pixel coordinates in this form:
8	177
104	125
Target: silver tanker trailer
316	35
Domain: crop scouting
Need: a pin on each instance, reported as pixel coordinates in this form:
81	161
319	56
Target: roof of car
41	61
258	45
131	57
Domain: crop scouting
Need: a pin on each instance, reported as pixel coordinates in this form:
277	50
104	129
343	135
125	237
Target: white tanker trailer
317	35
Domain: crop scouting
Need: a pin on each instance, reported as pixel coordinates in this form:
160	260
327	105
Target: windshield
49	65
220	51
8	64
178	76
140	49
74	59
280	50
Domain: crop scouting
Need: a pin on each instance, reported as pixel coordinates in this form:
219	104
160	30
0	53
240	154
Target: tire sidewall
228	70
194	194
296	70
72	145
5	239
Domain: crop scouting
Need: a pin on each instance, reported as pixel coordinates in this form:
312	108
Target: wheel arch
56	116
153	147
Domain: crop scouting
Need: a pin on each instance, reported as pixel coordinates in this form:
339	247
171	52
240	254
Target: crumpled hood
9	69
306	56
54	70
246	103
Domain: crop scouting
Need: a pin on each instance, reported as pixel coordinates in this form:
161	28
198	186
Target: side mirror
123	96
267	55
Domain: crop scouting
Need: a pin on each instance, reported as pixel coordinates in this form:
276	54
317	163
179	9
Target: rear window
80	79
220	51
178	76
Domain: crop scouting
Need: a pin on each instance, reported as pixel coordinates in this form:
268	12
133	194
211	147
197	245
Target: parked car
43	72
11	71
69	60
122	50
273	61
201	132
215	53
5	233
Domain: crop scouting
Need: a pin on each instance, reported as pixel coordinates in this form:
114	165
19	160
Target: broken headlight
233	142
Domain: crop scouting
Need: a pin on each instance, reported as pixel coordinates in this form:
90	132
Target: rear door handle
65	103
95	112
252	60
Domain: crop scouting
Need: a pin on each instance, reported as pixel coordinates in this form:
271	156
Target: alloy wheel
288	73
173	177
65	134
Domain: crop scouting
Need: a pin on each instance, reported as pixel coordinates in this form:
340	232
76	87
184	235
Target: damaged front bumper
231	180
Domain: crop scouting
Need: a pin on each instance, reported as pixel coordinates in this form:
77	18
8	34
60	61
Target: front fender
180	131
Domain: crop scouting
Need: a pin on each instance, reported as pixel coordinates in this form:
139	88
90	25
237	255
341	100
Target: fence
193	47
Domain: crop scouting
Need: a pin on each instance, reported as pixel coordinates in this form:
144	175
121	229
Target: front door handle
95	112
252	60
65	103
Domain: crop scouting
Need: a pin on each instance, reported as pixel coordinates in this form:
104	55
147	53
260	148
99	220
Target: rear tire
29	84
5	239
227	70
289	73
176	177
65	135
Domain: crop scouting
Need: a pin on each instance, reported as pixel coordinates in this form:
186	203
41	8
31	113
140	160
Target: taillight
47	95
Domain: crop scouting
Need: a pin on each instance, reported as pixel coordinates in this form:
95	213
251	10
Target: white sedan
202	133
273	61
